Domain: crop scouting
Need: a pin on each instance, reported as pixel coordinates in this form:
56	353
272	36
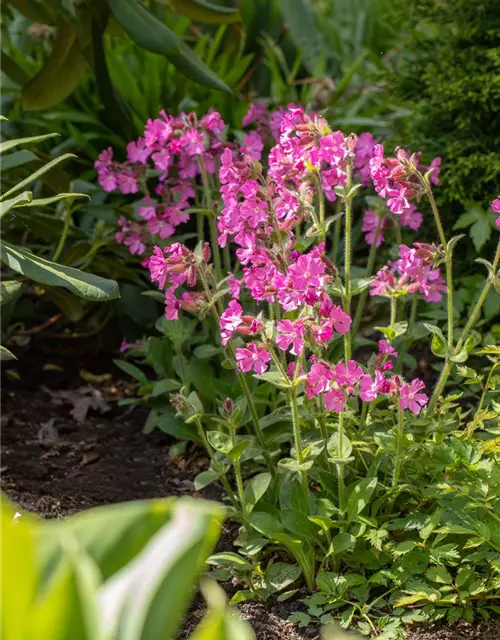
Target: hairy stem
438	389
368	273
347	259
399	449
297	437
340	467
212	218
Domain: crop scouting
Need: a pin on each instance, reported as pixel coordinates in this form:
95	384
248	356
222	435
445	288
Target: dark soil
68	446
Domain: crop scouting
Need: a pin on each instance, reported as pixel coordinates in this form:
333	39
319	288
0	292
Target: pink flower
308	271
370	388
252	357
193	141
291	333
172	306
253	145
158	267
319	379
234	286
410	398
341	321
495	206
334	401
384	346
230	320
369	227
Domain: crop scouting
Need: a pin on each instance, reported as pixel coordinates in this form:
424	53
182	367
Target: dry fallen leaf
82	399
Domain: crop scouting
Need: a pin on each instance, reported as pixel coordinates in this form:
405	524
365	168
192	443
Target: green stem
297	437
242	381
448	265
321	199
239	479
336	238
212	219
217	466
67	222
399	449
394	310
340	467
364	416
404	349
368	273
438	389
347	259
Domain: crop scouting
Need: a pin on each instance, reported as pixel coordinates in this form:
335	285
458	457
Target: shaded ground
67	446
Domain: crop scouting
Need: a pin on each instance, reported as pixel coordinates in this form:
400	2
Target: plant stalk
347	259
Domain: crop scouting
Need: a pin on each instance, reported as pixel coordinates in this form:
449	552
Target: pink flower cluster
495	207
337	383
175	148
414	272
395	179
410	218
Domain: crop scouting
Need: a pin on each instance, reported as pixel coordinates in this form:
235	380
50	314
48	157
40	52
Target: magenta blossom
495	207
291	333
411	398
252	357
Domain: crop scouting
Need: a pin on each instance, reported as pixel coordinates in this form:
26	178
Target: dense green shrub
449	69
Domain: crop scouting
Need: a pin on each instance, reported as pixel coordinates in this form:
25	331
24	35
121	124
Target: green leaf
84	285
20	199
358	285
273	377
10	144
299	524
205	478
5	354
230	559
200	11
256	487
266	524
333	449
38	174
360	496
220	441
341	542
439	574
61	74
164	386
43	202
439	346
300	618
206	351
18	159
9	290
132	370
153	592
282	574
237	451
150	34
300	19
290	464
480	226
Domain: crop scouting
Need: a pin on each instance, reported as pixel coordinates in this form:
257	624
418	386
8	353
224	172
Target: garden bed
60	457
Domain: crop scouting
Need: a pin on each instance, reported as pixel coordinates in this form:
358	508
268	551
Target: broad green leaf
68	606
480	225
299	524
273	377
18	559
238	450
128	527
220	441
256	487
164	386
439	346
439	574
282	574
152	592
221	622
10	144
152	35
9	290
333	448
132	370
84	285
360	496
206	351
38	174
60	75
200	11
299	17
205	478
70	305
19	200
266	524
14	71
341	542
5	354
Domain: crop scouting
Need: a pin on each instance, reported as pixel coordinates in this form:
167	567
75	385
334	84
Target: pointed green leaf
256	487
5	354
154	36
200	11
9	144
22	198
38	174
9	290
43	202
84	285
360	496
